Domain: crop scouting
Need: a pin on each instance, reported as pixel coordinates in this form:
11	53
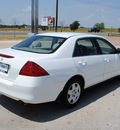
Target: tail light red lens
32	69
6	56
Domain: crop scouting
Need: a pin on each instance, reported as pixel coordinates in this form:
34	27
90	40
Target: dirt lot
114	40
99	109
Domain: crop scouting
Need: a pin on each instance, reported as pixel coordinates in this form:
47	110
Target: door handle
82	62
107	60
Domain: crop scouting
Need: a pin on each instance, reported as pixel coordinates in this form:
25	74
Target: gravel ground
99	109
114	40
8	43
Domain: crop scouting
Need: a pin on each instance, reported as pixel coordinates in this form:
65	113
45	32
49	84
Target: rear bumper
31	89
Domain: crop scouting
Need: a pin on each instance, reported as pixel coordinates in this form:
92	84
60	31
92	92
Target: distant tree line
119	30
12	26
75	25
99	26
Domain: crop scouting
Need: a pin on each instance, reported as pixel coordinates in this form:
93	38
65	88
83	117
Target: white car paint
61	66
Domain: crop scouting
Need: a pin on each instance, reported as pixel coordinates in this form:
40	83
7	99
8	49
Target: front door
109	57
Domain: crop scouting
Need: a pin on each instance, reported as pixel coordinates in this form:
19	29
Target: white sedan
56	67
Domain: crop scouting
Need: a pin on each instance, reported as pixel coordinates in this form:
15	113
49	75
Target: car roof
67	34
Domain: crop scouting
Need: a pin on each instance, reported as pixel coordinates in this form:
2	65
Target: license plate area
4	68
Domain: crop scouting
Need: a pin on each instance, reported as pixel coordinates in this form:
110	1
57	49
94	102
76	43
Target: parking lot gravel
99	108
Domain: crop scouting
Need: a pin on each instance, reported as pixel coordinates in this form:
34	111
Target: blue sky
87	12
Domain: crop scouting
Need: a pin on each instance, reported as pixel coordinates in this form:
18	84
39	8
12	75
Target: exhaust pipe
22	103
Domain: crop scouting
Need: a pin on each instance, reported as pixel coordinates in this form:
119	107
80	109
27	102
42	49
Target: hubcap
73	93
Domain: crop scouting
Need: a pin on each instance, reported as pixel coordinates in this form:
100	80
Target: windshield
40	44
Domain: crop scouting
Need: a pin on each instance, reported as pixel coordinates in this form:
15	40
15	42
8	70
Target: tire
71	93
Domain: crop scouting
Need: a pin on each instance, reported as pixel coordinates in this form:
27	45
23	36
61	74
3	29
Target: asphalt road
26	34
99	109
5	34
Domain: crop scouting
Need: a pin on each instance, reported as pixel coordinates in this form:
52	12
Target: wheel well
79	77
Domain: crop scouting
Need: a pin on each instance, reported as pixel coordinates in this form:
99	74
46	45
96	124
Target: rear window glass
40	44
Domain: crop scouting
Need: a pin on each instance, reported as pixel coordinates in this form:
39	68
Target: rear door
88	61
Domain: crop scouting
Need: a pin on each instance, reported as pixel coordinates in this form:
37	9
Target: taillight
32	69
6	56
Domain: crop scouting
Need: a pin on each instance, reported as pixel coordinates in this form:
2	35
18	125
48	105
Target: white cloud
22	16
102	10
28	9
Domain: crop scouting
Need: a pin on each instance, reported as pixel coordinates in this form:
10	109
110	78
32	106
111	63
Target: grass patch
14	29
115	36
85	30
108	30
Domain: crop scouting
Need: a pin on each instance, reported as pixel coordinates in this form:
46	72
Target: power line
100	4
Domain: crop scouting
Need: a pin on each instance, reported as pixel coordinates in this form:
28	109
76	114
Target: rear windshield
40	44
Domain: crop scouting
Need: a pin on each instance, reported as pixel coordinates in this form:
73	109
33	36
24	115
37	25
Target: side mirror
118	50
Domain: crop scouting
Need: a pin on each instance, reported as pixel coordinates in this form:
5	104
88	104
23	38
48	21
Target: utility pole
56	15
34	16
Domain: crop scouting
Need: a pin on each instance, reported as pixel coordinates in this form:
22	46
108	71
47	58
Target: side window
105	47
85	47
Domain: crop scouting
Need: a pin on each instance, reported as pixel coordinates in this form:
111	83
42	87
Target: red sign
51	20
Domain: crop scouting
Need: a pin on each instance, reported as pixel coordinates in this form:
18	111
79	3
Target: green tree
119	30
96	25
102	26
99	26
75	25
0	21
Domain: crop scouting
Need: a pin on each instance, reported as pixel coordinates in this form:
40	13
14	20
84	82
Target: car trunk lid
12	61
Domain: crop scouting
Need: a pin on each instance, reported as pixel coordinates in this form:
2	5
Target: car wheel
72	93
